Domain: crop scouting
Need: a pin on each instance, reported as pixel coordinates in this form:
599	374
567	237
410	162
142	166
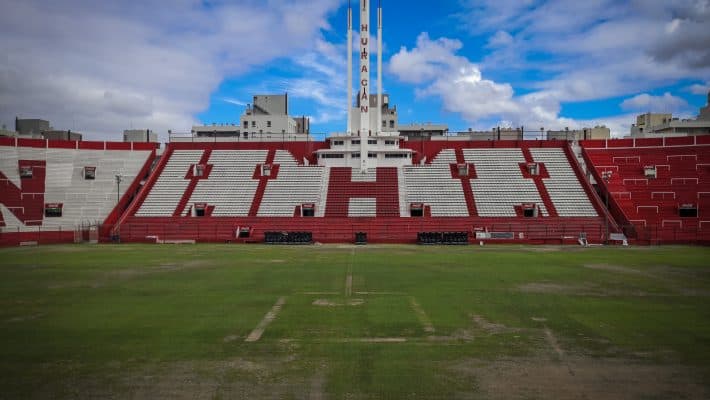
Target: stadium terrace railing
493	135
252	137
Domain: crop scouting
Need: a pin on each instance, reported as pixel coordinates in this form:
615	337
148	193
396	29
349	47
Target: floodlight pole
118	189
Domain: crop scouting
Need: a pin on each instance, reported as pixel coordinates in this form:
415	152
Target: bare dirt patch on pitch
551	288
582	378
480	326
618	269
489	327
230	338
160	268
236	378
586	290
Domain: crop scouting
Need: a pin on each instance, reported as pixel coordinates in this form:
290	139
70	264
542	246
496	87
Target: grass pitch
371	322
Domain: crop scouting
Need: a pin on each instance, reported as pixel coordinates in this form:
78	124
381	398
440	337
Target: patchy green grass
147	321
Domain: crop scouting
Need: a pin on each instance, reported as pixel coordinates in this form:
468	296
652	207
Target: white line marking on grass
319	293
382	340
349	276
367	340
552	340
268	318
349	285
421	315
382	293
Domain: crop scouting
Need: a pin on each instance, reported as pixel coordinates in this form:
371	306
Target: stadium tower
364	81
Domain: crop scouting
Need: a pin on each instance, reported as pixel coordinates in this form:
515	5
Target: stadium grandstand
268	180
490	191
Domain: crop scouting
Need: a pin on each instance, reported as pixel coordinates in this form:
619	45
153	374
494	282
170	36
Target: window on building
384	124
246	124
355	155
198	170
355	142
372	141
308	210
392	124
371	155
253	124
338	142
688	211
200	209
332	155
395	155
89	173
268	124
389	142
25	172
53	210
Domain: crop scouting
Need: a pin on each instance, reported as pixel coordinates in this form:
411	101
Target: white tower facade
364	92
350	70
379	67
366	144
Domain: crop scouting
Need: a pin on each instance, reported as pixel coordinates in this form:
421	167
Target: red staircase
263	181
539	184
466	185
193	183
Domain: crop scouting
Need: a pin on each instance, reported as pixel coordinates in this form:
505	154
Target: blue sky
466	63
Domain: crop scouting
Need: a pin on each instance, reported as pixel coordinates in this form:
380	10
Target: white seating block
433	185
165	195
294	186
83	201
563	186
230	187
500	185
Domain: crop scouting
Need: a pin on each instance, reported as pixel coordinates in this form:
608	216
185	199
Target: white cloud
439	71
699	88
500	38
594	49
100	67
425	61
234	101
648	103
323	81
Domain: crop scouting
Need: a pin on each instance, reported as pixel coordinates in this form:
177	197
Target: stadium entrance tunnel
361	238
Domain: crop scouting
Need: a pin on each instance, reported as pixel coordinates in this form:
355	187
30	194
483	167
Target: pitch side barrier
360	230
348	233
